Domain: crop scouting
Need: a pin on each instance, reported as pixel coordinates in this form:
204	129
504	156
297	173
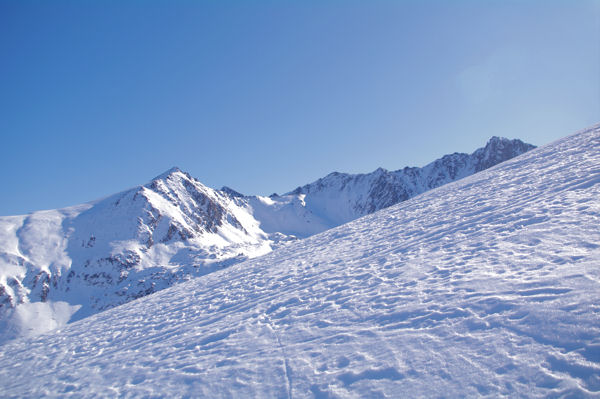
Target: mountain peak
499	149
473	289
178	223
231	192
168	173
496	139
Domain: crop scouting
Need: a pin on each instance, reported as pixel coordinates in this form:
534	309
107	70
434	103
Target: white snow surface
486	287
99	255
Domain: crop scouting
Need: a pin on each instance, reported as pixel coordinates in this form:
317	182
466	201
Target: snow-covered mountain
66	264
88	258
485	287
340	197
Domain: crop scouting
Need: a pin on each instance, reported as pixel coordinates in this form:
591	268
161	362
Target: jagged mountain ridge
340	197
486	287
120	248
66	264
388	188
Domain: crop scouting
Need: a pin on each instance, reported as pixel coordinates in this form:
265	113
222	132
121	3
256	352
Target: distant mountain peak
499	138
469	290
168	173
147	238
231	192
340	197
499	149
497	141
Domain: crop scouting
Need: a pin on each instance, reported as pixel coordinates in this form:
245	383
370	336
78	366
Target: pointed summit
499	149
496	139
500	142
231	192
168	173
473	288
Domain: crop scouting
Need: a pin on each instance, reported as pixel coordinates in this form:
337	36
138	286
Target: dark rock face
231	192
498	150
201	211
385	191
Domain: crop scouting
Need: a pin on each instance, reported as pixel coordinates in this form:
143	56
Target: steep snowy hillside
66	264
92	257
340	197
489	286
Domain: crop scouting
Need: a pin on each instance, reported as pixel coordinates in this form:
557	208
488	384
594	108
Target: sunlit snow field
485	287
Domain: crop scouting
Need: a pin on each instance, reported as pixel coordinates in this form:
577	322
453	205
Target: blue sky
263	96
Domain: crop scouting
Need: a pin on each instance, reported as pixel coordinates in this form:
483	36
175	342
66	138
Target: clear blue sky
263	96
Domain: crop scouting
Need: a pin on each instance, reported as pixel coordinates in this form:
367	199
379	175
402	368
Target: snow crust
102	254
486	287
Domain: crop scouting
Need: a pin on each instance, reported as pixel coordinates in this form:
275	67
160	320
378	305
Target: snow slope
489	286
73	262
62	265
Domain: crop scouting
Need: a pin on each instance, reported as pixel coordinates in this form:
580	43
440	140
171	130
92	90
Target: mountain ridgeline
382	188
340	197
61	265
488	287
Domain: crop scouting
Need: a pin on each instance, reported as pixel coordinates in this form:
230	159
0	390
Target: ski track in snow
489	286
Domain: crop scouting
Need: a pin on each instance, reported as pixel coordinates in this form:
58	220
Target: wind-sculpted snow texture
487	287
66	264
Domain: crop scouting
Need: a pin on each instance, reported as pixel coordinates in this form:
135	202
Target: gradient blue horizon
263	96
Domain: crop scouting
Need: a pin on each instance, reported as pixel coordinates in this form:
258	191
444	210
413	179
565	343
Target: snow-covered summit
66	264
173	170
231	192
122	247
341	197
485	287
